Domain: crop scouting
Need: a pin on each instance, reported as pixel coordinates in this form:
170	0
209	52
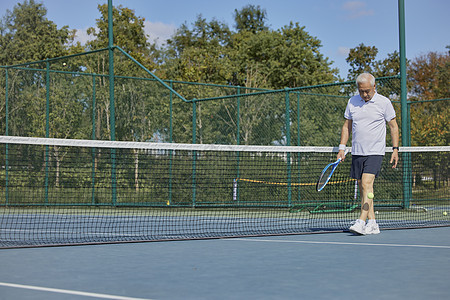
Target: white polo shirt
369	123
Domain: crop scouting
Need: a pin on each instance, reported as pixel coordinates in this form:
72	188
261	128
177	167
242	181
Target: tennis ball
370	195
444	213
64	64
168	203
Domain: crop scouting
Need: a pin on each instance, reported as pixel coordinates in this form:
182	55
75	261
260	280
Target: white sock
372	221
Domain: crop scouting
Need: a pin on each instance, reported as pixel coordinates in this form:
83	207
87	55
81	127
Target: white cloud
82	36
356	9
159	32
343	51
353	5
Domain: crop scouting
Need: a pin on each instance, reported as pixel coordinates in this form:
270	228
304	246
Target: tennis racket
327	173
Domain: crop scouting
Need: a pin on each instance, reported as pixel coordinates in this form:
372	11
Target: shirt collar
371	100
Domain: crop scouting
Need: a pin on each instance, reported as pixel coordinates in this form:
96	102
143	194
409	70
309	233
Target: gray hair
365	77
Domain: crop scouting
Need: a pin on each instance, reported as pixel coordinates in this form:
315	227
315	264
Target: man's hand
394	159
341	155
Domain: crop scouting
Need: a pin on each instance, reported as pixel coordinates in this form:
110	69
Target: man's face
366	90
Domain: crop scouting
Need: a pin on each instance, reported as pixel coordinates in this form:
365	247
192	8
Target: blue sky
339	24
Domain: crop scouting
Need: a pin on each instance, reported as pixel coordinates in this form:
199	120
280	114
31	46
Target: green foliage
289	57
261	58
128	32
429	77
251	18
389	66
361	59
27	35
199	55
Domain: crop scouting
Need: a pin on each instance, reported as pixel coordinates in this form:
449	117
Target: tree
129	35
430	75
389	66
298	61
252	57
198	55
361	59
27	35
251	18
128	32
429	78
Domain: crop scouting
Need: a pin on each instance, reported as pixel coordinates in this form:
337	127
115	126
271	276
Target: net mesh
60	191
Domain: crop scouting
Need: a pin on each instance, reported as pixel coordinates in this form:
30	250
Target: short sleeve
347	113
390	112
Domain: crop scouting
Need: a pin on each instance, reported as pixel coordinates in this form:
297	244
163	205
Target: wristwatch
395	148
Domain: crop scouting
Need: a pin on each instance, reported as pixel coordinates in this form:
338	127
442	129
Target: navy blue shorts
365	164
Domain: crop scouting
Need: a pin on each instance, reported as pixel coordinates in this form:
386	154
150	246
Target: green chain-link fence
70	98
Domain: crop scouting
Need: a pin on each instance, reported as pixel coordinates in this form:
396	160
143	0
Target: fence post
298	144
170	141
288	143
194	153
111	103
238	142
93	137
406	140
6	145
47	126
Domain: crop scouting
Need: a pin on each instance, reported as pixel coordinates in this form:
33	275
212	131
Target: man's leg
369	167
366	187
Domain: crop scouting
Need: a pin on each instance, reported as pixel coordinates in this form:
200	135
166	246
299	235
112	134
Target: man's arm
345	134
394	136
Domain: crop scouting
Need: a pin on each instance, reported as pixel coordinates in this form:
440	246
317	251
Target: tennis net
62	192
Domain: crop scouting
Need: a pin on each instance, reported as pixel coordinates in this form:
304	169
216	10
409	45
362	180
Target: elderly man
366	116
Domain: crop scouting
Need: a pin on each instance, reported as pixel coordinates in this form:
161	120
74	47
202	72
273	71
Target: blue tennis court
397	264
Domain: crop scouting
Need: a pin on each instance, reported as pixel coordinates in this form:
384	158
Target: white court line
343	243
78	293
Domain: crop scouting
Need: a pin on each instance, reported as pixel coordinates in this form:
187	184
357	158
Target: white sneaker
372	229
358	228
